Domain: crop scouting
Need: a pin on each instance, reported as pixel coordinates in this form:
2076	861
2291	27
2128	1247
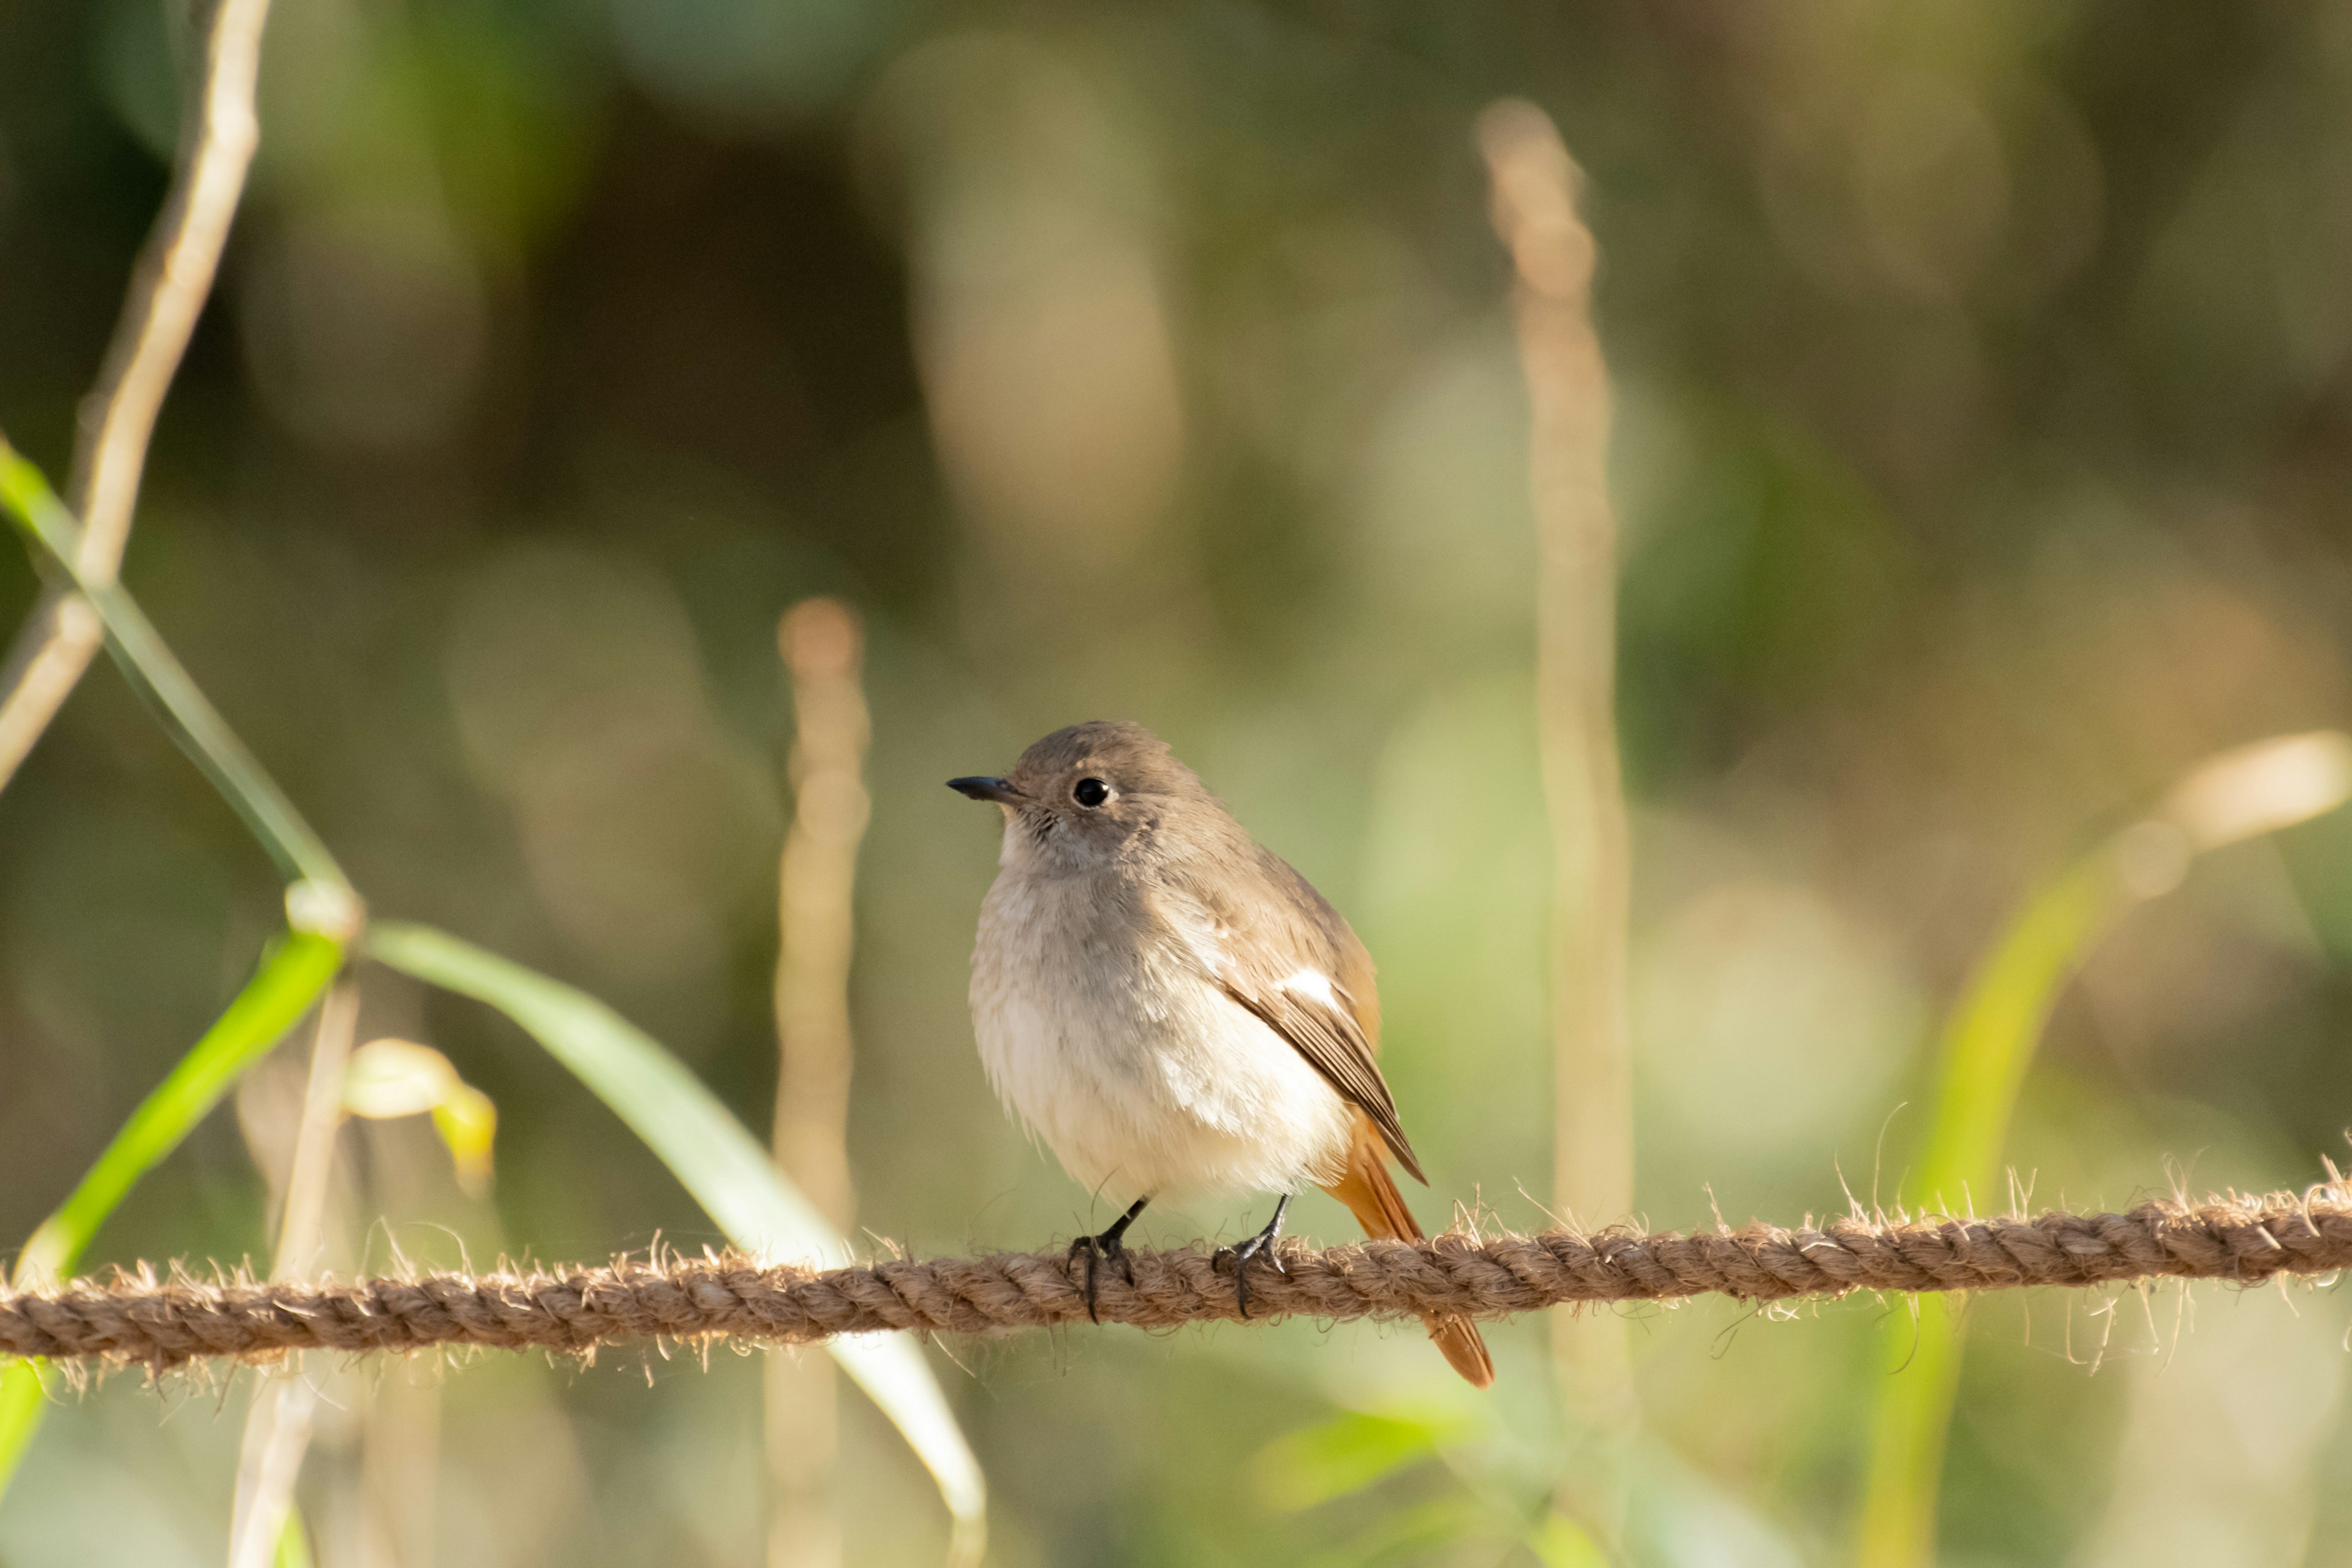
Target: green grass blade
23	1402
718	1162
1981	1066
158	677
1990	1040
287	983
293	1544
1919	1375
1987	1049
278	995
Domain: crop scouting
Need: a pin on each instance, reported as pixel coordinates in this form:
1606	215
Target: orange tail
1371	1195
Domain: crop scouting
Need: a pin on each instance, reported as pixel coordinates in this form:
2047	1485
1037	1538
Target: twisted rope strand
137	1318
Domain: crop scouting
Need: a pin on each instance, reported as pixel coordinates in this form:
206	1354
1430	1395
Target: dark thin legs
1108	1248
1260	1244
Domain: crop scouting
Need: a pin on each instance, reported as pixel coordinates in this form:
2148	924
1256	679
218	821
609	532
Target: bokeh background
1985	457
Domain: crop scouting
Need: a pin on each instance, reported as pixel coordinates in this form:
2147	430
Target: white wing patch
1315	986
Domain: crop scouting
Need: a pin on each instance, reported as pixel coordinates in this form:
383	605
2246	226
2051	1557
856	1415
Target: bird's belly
1143	1077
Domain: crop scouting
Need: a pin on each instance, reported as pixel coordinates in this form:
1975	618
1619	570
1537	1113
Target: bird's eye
1090	793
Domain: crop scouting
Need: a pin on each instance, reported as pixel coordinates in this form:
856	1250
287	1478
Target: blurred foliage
1987	385
670	1110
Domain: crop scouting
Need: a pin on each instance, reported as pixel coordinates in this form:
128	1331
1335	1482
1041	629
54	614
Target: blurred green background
1985	457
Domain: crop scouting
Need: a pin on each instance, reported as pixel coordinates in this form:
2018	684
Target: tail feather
1371	1195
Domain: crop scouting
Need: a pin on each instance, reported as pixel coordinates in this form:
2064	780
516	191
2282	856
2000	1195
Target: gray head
1096	794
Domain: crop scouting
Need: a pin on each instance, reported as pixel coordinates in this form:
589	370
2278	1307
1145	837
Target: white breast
1109	1036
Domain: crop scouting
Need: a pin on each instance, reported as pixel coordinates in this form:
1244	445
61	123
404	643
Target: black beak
1001	791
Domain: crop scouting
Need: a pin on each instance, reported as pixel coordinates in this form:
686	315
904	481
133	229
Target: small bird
1174	1010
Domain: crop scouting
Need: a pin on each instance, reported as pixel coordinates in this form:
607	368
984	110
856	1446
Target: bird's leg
1260	1244
1108	1246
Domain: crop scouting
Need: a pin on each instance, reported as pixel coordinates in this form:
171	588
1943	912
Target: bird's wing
1302	970
1327	1038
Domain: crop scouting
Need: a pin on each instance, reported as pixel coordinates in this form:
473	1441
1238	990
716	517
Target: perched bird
1173	1010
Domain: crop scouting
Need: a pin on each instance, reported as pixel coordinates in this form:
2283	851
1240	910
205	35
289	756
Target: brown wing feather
1269	939
1336	1047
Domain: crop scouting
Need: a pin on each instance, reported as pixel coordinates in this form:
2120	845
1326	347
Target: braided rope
138	1318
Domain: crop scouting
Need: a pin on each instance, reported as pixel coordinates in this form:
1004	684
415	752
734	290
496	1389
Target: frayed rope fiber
135	1319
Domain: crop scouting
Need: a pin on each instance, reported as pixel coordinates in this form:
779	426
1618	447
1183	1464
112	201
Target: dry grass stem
821	646
277	1427
1535	188
167	293
821	642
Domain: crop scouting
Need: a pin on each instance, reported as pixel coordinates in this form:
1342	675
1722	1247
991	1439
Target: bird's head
1093	797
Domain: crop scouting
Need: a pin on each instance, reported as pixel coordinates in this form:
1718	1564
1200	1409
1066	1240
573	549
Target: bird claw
1098	1251
1111	1244
1258	1245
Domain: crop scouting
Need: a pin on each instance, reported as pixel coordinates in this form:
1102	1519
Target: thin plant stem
277	1427
167	293
52	652
820	641
1535	184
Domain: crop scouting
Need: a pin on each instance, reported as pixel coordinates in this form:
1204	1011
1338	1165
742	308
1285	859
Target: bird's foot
1258	1245
1098	1251
1111	1246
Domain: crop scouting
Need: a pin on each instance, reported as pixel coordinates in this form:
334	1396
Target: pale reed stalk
278	1428
168	289
1535	188
820	641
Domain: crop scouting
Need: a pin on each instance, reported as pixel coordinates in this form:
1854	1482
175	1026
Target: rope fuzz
136	1319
